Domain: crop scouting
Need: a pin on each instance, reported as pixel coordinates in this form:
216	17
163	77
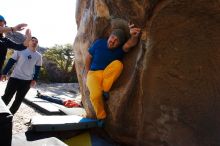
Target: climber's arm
133	40
18	27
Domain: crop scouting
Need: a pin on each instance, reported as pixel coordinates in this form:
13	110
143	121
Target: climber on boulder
103	65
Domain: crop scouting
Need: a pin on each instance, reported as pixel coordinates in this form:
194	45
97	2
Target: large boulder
169	91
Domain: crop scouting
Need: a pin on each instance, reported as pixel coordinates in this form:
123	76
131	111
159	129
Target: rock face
169	91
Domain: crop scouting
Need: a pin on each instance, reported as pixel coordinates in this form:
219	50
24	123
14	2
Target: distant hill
19	38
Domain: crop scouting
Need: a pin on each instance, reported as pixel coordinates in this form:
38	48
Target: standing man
6	43
103	65
24	75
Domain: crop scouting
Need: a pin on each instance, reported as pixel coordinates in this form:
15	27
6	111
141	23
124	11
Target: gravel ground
22	117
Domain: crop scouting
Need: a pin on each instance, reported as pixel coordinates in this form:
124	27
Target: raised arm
133	40
18	27
28	37
10	44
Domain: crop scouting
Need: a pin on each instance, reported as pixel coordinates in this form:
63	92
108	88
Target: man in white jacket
24	75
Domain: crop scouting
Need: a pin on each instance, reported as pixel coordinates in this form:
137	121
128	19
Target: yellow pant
99	81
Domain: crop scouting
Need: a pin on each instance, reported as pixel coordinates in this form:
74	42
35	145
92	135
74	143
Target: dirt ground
22	117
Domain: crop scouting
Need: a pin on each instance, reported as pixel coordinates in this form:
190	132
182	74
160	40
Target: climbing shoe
105	95
38	94
101	123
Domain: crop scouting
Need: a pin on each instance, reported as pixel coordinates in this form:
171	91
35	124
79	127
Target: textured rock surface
169	91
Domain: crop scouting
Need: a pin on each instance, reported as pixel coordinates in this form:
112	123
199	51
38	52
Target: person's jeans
102	80
21	88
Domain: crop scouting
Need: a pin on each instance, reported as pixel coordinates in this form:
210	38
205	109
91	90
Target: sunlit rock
169	91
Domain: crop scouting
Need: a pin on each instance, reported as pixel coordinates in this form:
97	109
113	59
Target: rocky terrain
22	118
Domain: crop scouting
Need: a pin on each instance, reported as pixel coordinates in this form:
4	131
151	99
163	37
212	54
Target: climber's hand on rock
134	31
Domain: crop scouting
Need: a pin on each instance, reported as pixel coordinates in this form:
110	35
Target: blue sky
51	21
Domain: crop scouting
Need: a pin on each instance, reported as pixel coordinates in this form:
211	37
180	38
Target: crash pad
62	123
23	139
42	105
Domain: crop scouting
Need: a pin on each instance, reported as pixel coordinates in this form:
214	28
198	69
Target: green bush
58	64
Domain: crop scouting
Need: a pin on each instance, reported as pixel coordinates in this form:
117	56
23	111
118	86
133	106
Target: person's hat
119	23
2	18
119	33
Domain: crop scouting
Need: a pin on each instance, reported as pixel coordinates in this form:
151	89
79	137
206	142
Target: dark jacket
6	43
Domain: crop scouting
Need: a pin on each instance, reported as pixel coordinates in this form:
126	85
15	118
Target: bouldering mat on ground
62	123
22	139
42	105
73	111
